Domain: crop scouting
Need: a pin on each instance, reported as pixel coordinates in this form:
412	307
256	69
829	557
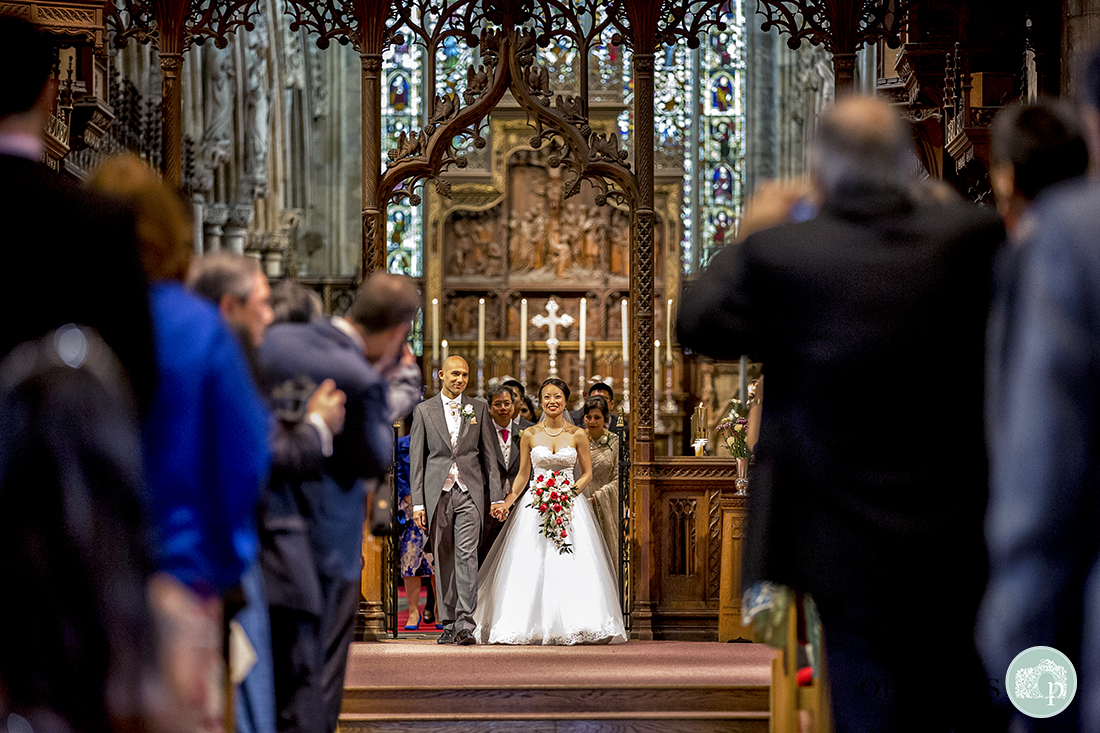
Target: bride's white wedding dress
528	593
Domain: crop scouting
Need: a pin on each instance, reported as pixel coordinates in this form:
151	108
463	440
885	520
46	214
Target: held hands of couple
501	510
497	511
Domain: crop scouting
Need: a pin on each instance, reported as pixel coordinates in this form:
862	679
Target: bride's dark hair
557	383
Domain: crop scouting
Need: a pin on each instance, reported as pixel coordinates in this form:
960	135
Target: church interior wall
273	125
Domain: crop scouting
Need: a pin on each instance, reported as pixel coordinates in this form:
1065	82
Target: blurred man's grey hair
861	142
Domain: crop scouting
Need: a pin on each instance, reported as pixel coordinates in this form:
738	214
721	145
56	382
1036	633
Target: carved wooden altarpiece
507	234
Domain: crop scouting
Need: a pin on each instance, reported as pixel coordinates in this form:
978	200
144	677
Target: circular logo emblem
1041	682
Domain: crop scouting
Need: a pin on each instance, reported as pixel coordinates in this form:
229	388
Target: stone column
1080	33
216	217
761	118
198	224
236	228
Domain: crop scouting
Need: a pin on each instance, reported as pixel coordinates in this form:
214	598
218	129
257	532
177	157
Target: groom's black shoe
465	638
447	637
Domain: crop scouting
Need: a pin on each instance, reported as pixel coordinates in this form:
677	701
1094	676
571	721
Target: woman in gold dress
603	491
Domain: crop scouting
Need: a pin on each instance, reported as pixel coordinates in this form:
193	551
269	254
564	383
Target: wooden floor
660	686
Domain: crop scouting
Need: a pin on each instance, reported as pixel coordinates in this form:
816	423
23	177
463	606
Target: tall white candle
523	330
626	336
446	351
657	359
435	330
480	329
668	332
743	380
584	308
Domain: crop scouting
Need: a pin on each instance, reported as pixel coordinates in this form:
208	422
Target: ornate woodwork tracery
841	26
508	63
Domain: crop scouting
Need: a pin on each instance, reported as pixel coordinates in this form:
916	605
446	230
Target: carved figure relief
217	136
549	236
473	245
536	235
257	111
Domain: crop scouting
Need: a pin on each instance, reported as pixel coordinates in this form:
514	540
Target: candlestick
435	330
481	329
670	404
523	331
584	308
668	332
625	402
446	351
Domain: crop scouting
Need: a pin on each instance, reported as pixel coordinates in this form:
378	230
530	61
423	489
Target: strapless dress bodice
545	459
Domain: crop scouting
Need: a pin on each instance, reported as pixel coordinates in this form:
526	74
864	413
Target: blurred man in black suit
81	243
314	596
870	483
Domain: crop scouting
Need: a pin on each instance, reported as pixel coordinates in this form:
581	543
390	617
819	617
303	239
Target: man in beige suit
454	477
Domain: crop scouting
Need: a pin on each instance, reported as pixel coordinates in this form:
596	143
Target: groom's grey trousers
455	534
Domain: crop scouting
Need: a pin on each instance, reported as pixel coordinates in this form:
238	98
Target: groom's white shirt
451	411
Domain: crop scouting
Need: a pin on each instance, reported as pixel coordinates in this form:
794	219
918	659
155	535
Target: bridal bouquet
553	497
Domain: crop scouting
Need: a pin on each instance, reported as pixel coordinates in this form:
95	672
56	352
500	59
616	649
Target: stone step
658	687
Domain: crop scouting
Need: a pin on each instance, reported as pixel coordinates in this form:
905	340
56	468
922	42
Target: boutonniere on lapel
605	439
468	415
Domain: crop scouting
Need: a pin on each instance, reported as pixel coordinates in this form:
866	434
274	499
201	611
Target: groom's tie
504	434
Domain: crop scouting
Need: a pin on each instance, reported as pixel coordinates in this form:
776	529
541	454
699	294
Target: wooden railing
696	531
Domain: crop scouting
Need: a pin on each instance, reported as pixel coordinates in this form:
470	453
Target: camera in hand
291	397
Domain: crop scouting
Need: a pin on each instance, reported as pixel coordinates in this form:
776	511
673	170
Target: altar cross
552	321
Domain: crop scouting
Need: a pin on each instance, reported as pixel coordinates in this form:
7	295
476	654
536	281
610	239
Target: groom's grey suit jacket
430	456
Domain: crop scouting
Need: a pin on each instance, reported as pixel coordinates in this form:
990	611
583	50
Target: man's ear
227	305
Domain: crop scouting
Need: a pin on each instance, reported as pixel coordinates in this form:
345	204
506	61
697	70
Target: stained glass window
709	145
452	59
401	114
722	134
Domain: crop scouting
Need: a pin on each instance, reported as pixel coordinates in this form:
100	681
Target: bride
527	591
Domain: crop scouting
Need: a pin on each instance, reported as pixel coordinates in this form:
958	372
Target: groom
454	476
